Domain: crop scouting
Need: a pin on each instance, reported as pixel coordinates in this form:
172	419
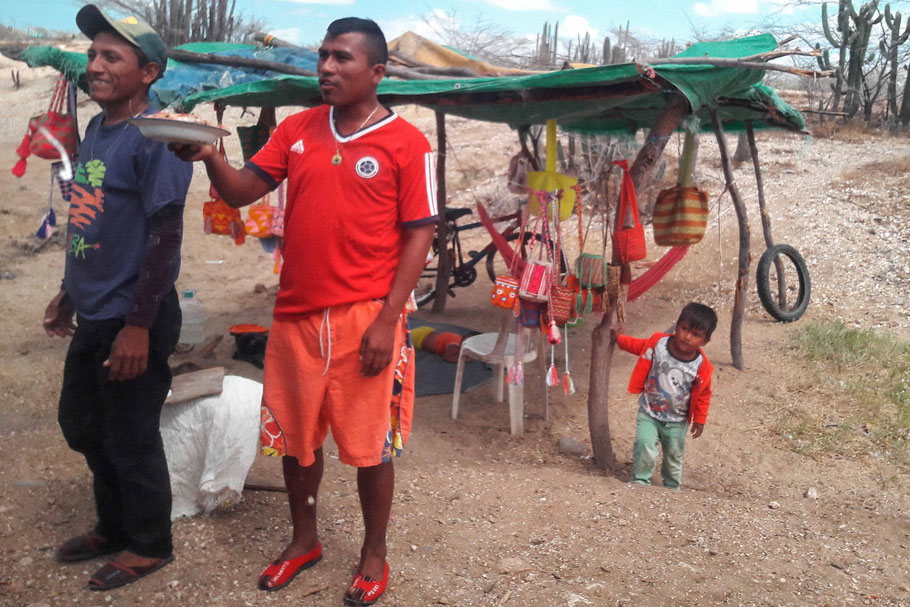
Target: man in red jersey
359	221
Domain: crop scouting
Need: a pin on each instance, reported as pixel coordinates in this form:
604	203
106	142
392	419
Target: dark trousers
114	424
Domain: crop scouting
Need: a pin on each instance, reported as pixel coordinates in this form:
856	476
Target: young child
673	378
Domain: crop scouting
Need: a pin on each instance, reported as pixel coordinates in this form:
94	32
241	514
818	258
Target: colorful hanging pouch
505	290
680	216
535	279
259	222
562	304
221	218
530	313
628	242
591	270
277	228
57	125
505	286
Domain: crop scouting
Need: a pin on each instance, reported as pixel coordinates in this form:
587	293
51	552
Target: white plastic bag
210	444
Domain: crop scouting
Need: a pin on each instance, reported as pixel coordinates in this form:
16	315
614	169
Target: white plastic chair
498	349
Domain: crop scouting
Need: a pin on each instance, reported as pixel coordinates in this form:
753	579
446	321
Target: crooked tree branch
283	68
727	62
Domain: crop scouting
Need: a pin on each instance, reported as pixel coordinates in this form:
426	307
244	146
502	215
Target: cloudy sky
304	21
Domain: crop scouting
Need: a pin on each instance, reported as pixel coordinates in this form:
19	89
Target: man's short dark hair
699	316
373	38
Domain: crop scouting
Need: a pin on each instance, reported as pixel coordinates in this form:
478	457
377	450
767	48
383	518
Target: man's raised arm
237	187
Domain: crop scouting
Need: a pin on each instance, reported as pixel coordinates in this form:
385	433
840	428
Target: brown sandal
84	547
114	575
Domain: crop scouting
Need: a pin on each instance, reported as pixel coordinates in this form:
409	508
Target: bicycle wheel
425	290
496	265
783	306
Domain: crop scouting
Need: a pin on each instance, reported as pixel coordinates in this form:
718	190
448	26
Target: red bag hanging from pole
629	243
57	123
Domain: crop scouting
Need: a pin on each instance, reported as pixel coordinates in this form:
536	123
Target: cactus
545	52
667	48
854	28
889	49
584	49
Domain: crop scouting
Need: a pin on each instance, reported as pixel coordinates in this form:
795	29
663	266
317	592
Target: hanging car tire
783	311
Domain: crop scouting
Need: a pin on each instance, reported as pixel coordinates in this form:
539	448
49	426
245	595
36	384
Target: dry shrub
896	167
861	401
853	131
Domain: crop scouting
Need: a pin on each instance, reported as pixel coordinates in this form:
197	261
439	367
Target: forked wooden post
765	217
602	341
745	254
444	265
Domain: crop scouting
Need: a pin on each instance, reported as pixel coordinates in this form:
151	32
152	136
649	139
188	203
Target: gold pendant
336	159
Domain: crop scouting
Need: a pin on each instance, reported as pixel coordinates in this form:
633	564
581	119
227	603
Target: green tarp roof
607	98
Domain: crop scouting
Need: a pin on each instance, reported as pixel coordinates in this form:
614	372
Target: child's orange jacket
700	399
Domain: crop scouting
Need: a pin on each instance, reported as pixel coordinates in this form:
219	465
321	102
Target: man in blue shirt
122	259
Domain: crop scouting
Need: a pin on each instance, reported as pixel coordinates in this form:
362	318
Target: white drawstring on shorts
326	322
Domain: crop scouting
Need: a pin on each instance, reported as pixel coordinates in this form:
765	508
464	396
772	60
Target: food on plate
166	115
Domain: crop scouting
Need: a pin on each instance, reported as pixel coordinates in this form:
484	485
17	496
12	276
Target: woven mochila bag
535	279
628	242
680	216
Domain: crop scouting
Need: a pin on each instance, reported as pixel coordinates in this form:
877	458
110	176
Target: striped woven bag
680	216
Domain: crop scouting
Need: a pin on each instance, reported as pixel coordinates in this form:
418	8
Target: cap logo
130	21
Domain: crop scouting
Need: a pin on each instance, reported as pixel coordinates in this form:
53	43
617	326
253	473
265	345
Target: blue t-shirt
668	387
121	179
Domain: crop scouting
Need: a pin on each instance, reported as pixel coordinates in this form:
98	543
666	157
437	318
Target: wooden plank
206	382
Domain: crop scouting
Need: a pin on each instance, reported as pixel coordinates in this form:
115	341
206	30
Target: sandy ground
481	517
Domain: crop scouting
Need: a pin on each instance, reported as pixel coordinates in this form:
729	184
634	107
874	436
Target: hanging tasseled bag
505	286
628	242
590	269
505	290
530	313
218	217
680	216
277	228
562	304
259	222
535	280
57	124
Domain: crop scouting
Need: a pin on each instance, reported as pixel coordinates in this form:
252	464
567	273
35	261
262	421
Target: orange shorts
312	382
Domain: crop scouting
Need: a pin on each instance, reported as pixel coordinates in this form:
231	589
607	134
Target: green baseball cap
92	20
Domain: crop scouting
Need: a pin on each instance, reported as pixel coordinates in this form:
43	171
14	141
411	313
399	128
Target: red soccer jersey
343	222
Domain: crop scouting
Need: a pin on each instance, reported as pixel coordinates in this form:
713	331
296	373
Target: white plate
178	131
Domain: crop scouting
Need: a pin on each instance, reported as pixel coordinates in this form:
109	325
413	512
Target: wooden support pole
444	267
745	254
765	218
602	340
687	159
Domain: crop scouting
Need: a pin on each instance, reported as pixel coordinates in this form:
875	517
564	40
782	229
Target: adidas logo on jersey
298	147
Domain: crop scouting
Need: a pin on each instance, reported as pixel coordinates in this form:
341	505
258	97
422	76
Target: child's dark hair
373	38
699	316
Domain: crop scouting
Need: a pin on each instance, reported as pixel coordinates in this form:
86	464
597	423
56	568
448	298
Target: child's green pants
672	439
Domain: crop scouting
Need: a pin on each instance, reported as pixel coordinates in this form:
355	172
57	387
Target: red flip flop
366	591
280	572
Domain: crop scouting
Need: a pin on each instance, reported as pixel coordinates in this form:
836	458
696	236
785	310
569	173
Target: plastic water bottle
192	330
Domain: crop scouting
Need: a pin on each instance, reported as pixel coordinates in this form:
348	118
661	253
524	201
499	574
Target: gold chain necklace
336	159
